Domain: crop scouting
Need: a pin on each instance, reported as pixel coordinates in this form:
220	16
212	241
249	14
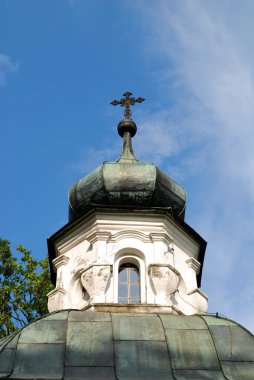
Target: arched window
128	284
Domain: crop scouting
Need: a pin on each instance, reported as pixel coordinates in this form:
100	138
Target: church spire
127	127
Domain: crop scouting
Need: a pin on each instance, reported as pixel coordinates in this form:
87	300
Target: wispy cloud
91	158
6	65
213	73
204	135
162	141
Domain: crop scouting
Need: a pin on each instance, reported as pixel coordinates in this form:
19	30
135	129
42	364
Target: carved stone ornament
56	299
95	280
164	280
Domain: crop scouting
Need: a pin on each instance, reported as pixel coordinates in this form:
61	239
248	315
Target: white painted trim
132	256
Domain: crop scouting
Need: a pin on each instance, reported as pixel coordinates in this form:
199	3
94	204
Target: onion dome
126	182
105	345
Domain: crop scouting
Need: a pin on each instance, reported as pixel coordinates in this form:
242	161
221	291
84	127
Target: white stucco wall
89	256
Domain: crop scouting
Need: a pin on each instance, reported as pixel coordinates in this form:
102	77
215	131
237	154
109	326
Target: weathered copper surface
129	184
99	345
127	181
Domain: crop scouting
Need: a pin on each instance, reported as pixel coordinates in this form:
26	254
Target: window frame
128	284
135	258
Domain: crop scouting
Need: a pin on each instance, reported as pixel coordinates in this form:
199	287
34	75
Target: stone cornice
194	264
60	260
55	291
160	237
133	308
98	236
199	292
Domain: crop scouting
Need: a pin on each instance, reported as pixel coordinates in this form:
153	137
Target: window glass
134	290
129	284
134	275
122	275
123	290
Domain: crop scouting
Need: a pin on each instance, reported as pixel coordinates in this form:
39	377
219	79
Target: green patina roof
98	345
126	182
129	184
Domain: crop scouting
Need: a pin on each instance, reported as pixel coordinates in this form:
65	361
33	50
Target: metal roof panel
135	328
138	360
145	346
39	361
91	373
238	370
89	344
177	322
192	349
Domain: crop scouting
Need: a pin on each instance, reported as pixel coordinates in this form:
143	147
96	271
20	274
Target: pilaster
160	242
191	272
99	240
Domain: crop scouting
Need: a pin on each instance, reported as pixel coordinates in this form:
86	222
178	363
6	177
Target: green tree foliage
24	283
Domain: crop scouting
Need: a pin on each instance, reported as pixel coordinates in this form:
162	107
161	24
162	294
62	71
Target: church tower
127	303
126	246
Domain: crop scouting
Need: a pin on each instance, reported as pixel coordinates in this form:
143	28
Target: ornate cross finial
127	102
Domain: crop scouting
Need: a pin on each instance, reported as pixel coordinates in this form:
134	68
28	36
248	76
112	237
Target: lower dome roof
74	344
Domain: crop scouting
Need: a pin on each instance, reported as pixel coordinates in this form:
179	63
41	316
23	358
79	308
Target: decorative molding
199	292
126	234
164	265
160	237
131	308
74	237
60	260
98	236
194	264
56	299
53	292
83	270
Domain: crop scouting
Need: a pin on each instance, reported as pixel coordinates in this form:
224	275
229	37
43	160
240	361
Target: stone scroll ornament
96	280
164	280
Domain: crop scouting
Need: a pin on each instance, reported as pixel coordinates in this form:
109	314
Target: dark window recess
128	284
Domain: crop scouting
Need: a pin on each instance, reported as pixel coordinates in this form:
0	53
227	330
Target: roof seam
113	346
169	357
217	354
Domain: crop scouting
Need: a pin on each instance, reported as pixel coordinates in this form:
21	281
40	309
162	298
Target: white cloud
204	45
156	131
204	136
6	65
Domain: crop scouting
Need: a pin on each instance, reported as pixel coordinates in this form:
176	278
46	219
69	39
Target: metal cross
127	102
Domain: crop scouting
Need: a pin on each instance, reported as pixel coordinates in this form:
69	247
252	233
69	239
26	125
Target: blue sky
62	62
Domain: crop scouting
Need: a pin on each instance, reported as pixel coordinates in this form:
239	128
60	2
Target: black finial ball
127	125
